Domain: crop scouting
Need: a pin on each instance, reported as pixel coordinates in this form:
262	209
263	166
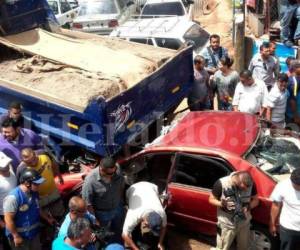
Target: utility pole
239	38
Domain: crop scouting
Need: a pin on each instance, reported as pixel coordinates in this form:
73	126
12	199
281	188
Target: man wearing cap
286	207
8	182
50	199
22	212
146	220
103	193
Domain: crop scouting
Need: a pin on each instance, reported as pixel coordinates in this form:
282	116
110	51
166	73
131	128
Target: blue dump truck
95	93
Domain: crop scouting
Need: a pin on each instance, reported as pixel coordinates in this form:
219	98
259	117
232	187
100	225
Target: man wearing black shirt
234	196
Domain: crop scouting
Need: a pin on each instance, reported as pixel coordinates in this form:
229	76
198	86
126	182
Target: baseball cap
4	160
154	223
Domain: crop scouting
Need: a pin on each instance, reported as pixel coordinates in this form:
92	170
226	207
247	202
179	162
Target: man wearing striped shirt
277	100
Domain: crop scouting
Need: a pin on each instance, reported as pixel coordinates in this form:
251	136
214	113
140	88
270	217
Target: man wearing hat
286	207
8	182
146	220
22	212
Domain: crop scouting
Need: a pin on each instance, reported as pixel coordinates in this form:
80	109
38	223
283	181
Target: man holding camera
234	196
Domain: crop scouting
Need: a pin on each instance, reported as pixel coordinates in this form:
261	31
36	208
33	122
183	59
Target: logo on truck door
121	115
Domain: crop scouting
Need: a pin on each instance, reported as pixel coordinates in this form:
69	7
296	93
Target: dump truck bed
98	67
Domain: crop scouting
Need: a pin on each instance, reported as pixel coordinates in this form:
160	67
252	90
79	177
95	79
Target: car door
191	180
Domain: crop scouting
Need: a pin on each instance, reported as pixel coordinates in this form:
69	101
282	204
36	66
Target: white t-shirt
142	198
6	185
250	99
277	101
290	213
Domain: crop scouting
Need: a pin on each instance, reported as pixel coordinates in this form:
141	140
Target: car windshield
163	9
98	7
198	36
275	154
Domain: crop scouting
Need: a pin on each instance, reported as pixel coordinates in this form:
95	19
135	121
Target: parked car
102	16
194	153
63	12
158	8
167	32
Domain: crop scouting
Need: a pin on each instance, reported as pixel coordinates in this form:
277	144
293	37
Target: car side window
199	171
169	43
54	6
65	6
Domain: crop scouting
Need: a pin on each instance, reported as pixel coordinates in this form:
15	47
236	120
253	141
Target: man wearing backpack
213	54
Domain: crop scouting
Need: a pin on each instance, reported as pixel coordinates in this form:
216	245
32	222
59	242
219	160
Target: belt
29	228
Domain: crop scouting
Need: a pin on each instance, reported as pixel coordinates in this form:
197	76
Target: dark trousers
289	239
3	238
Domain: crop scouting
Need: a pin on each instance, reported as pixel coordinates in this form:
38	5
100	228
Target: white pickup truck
63	11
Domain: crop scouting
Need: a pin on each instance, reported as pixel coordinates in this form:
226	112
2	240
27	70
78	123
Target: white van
63	12
167	32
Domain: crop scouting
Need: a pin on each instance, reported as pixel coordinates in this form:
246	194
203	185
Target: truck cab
63	12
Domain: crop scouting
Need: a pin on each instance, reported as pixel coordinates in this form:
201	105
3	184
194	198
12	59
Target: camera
238	214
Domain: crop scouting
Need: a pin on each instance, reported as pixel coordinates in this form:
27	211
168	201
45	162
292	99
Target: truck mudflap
129	114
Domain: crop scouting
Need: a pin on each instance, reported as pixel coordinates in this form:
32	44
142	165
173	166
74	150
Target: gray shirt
264	70
224	86
199	91
103	196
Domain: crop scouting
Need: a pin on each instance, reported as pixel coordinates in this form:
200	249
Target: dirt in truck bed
75	69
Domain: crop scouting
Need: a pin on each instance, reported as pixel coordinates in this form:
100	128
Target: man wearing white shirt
250	95
8	181
146	220
286	206
277	101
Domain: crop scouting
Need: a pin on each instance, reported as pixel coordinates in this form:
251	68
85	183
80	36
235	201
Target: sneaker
288	43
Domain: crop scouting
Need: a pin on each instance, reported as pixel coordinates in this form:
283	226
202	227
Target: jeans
297	31
289	239
286	15
112	220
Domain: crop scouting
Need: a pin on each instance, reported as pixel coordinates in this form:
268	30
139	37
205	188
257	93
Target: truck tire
261	239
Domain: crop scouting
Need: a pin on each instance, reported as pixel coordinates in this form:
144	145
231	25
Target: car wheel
262	240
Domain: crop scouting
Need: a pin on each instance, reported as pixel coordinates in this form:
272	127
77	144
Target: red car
203	147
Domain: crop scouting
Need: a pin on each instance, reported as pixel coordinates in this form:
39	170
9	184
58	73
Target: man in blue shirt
78	236
213	54
293	106
78	209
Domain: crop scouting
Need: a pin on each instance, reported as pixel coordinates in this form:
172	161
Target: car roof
169	27
233	132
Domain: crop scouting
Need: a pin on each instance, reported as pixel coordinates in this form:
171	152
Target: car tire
262	239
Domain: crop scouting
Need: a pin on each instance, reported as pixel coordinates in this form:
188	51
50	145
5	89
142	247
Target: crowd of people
134	216
29	195
262	89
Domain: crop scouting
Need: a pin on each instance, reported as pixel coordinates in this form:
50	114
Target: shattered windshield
277	155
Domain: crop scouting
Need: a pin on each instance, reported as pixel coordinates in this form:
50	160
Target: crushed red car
201	148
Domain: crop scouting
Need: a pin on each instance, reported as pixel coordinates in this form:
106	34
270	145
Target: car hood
234	132
98	17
